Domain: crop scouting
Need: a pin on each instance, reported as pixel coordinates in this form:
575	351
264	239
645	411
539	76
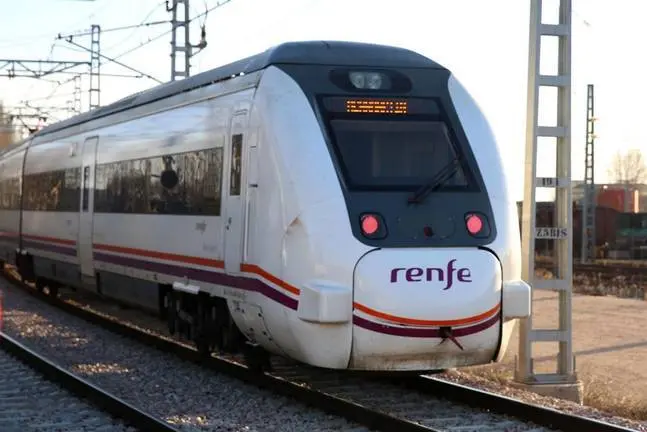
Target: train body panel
507	244
414	301
236	205
294	207
52	192
11	168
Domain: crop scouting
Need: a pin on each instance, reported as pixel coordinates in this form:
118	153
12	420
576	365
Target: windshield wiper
436	181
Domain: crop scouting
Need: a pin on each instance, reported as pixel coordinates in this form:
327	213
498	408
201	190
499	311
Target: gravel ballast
181	393
459	376
29	402
453	418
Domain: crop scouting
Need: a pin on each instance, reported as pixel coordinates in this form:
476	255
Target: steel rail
544	416
81	388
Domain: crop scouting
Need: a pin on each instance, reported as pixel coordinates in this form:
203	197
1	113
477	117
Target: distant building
7	136
621	197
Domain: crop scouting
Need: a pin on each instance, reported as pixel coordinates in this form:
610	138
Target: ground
609	342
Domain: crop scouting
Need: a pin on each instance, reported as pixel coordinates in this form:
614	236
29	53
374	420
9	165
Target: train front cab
441	277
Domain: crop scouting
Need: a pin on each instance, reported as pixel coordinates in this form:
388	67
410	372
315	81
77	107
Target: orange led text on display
376	106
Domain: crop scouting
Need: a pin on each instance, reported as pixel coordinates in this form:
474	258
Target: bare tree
628	168
7	135
4	121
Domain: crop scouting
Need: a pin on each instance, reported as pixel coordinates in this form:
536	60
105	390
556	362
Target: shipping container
605	226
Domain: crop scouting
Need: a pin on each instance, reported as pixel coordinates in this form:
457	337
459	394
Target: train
340	204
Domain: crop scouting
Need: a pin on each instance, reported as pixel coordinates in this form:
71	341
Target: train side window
236	164
133	186
86	180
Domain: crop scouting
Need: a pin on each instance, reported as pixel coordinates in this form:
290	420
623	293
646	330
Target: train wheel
171	314
163	305
40	285
215	333
202	325
257	358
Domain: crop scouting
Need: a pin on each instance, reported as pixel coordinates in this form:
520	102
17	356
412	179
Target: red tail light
370	224
474	224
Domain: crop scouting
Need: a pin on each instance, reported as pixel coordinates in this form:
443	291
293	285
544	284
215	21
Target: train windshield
390	154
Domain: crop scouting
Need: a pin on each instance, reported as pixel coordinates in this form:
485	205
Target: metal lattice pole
184	47
562	232
95	67
77	108
589	206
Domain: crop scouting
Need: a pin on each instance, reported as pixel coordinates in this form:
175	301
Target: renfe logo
415	274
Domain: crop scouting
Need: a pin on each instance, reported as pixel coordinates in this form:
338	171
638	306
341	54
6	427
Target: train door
86	261
233	197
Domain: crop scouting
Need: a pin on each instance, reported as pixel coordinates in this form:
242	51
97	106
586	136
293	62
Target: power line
107	59
141	45
89	32
115	61
141	22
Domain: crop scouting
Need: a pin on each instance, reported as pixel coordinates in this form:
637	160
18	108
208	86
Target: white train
340	204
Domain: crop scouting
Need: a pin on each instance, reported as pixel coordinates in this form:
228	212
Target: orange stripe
162	255
252	268
50	239
412	321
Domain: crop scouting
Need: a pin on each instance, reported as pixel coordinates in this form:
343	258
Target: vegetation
628	168
597	393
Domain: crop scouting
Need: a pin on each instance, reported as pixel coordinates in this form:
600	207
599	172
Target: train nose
423	309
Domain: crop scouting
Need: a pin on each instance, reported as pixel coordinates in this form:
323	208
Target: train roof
307	52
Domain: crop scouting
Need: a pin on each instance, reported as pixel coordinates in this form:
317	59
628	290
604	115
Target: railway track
410	403
36	394
606	268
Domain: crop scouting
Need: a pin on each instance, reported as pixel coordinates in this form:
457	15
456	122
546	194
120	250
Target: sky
484	43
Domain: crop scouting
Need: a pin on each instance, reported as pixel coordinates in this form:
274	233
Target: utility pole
589	206
95	67
77	95
564	382
182	47
95	63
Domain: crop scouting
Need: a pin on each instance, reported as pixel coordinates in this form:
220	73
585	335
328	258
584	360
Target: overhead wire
150	40
136	28
51	51
204	14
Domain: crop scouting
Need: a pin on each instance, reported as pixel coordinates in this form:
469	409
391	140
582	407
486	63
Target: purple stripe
244	283
422	332
63	250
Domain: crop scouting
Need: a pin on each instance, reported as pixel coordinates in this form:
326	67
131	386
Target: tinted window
133	186
383	154
10	194
53	190
236	164
86	182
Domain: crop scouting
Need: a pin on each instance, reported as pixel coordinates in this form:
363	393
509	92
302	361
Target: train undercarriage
199	318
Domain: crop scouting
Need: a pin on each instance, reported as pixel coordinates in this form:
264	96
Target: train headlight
369	80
